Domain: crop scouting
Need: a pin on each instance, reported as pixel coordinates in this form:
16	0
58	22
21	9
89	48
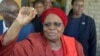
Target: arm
25	16
79	48
7	41
92	38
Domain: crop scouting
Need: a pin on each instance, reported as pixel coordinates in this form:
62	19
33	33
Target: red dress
37	45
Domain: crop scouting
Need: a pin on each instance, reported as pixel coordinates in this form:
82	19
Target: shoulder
71	41
35	36
68	37
29	25
88	17
1	21
90	20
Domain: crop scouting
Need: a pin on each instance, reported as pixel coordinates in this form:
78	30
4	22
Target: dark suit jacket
86	34
24	31
37	24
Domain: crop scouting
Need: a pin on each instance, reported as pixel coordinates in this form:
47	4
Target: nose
51	27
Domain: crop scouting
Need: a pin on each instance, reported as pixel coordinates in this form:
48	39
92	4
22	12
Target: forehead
39	4
48	0
53	18
78	2
11	7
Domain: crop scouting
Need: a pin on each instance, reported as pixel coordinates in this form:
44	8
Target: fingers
33	12
28	11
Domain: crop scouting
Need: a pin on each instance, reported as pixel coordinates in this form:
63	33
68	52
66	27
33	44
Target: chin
53	38
50	38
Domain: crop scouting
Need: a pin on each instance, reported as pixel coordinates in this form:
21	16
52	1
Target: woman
51	42
82	27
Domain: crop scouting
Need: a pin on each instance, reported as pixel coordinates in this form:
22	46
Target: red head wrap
56	11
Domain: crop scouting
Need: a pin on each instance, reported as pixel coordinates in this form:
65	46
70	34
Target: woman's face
53	27
78	7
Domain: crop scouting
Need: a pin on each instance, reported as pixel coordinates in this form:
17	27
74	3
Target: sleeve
21	48
79	49
6	50
92	38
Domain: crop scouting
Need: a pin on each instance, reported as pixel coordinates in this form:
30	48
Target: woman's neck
55	45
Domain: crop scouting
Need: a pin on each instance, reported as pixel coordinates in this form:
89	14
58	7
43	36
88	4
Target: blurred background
92	8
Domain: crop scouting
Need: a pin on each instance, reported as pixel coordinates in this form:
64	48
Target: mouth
52	34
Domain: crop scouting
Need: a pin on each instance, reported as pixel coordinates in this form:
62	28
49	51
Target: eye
57	24
47	24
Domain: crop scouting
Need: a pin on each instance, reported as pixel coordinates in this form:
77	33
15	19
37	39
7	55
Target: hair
72	2
37	1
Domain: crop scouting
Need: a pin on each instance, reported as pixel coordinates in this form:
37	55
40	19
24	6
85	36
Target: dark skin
77	7
40	8
48	4
53	30
9	12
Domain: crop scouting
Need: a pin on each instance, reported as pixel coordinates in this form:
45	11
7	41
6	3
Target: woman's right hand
26	14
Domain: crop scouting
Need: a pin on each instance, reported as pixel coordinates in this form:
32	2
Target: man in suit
9	10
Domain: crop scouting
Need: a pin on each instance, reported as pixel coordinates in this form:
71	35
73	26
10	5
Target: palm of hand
26	14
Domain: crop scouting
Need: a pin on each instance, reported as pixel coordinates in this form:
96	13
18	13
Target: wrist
17	24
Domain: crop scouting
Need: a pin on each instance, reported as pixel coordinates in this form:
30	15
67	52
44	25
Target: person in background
82	27
39	6
9	10
48	4
51	3
50	42
56	4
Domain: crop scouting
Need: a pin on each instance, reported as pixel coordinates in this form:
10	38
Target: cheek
60	31
75	8
45	30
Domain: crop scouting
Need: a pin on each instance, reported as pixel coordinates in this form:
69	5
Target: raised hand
26	14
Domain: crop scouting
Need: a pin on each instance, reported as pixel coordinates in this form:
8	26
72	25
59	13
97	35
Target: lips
52	34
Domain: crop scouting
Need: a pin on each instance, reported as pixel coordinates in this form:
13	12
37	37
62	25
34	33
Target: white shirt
4	27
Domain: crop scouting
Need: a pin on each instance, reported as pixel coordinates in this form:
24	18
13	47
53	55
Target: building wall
92	8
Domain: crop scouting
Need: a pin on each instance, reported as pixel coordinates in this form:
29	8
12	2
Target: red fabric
69	46
79	47
37	45
56	11
58	52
